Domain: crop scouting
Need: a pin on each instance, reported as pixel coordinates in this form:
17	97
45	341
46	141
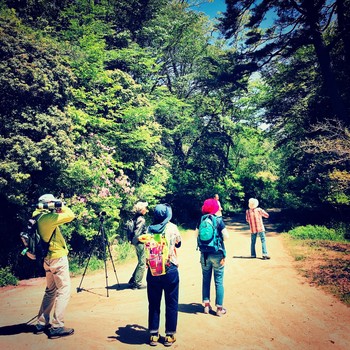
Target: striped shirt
254	218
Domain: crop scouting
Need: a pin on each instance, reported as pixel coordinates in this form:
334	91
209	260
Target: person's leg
154	294
252	245
219	280
263	243
171	291
60	269
141	265
48	299
206	278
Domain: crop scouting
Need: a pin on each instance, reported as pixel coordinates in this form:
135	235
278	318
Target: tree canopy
104	103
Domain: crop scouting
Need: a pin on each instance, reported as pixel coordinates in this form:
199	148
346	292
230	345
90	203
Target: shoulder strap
37	218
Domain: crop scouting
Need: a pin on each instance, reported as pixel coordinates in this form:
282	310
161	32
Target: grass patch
7	278
317	232
120	252
324	263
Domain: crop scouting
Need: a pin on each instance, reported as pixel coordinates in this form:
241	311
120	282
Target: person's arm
264	213
225	234
64	215
140	226
177	238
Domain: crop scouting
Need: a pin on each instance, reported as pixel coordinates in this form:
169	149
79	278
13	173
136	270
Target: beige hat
139	206
47	198
253	203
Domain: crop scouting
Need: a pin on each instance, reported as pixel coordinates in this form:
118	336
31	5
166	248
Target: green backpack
208	239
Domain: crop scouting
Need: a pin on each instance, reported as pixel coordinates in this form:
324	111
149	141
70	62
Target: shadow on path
193	308
132	334
18	328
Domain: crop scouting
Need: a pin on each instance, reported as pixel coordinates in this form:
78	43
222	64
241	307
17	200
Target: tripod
105	246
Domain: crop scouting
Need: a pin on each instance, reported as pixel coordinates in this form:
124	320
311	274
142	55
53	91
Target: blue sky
211	9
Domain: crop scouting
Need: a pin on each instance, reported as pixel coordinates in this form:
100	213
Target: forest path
269	306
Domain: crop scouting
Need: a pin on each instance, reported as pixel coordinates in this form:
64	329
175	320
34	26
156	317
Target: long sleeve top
254	218
139	228
48	224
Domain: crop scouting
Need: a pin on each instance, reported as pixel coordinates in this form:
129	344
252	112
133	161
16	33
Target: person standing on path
140	209
216	197
254	217
214	262
58	284
168	282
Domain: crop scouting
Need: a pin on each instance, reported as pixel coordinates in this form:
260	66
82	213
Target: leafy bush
316	232
7	278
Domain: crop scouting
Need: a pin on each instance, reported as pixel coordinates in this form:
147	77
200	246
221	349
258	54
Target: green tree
35	146
295	25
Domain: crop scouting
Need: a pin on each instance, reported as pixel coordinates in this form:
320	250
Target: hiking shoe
41	328
207	308
220	311
266	257
253	256
60	332
169	340
153	340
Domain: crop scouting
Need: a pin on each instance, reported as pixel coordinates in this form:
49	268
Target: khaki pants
57	292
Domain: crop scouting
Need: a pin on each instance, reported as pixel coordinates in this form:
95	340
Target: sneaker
60	332
220	311
207	308
253	256
41	328
169	340
266	257
153	341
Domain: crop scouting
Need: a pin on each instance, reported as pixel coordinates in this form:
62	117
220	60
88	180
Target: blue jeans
212	263
263	243
155	286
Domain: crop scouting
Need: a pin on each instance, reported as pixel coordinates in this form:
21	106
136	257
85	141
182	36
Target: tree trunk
325	64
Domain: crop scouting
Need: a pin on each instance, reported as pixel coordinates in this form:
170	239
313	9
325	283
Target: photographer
58	285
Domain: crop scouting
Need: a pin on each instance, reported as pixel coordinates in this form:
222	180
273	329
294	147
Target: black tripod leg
79	289
106	272
105	243
110	256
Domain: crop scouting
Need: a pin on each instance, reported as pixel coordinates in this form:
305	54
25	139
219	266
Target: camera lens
50	205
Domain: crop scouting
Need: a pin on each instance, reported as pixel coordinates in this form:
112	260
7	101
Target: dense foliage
107	102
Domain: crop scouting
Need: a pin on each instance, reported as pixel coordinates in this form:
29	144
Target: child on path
254	217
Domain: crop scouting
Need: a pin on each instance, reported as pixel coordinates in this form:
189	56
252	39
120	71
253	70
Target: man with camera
58	285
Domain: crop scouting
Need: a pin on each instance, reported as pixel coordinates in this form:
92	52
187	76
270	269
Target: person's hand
222	262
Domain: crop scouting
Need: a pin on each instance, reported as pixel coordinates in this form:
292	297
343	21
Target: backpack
208	239
35	247
130	227
157	253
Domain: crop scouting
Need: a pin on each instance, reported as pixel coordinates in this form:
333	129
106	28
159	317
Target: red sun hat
210	206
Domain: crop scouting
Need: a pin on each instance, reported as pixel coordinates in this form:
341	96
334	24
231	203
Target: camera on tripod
50	205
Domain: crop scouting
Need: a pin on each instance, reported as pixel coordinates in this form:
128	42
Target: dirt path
269	307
